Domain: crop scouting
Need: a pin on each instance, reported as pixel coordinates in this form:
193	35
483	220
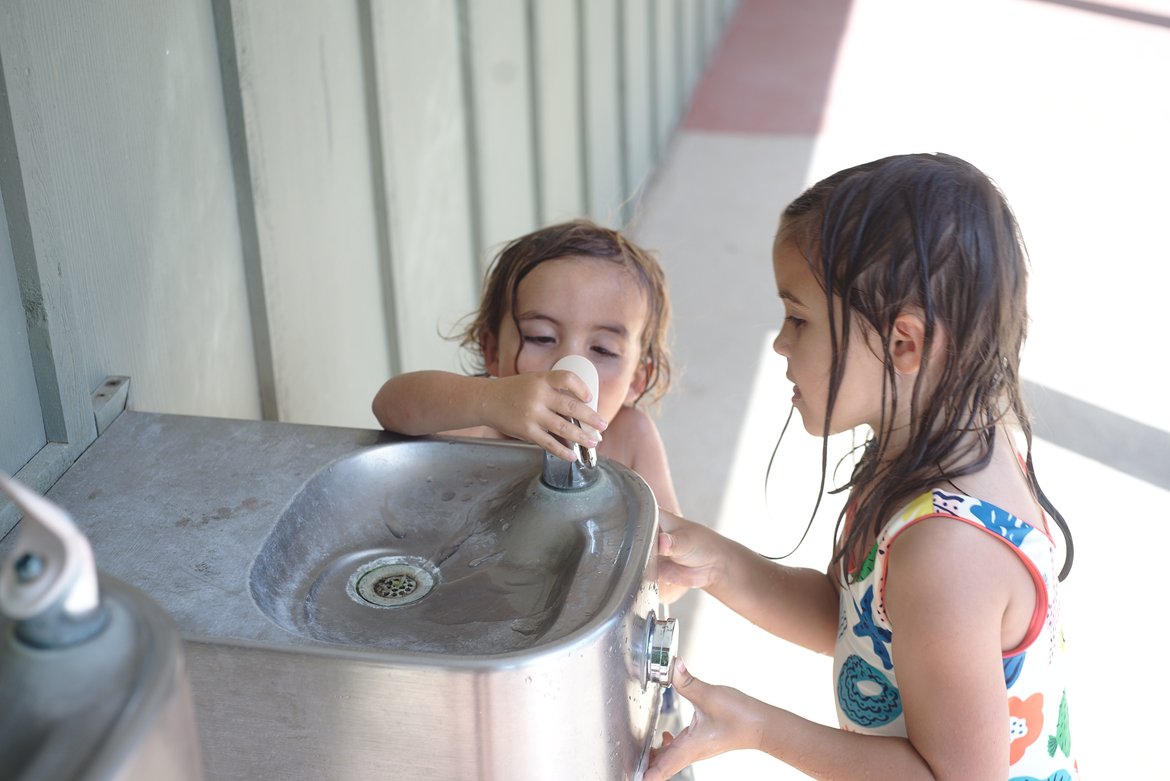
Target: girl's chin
814	427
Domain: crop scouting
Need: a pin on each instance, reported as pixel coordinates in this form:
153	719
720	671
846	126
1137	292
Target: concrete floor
1064	103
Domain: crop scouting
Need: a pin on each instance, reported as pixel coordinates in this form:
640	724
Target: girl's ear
489	344
639	380
907	341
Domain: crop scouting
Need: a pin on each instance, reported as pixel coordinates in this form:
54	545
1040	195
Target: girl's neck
883	462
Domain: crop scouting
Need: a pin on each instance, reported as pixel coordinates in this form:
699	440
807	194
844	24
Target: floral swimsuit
868	700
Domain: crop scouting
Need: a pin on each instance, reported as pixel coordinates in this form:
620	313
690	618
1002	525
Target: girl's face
805	341
577	306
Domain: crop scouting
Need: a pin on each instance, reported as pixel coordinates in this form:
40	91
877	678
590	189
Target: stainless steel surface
249	534
495	560
114	706
570	475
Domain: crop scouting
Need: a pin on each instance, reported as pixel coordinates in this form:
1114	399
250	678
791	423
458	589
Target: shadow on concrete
1131	14
1119	442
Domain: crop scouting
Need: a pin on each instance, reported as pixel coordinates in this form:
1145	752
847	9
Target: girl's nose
779	345
566	349
563	352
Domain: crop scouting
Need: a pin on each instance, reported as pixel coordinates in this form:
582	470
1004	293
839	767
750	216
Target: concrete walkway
1064	103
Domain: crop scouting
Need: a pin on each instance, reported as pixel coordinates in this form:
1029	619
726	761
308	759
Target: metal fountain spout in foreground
581	472
91	669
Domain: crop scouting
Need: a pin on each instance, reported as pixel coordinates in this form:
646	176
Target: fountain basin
525	658
424	546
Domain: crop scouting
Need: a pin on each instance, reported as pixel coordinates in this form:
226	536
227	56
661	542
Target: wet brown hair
579	238
931	233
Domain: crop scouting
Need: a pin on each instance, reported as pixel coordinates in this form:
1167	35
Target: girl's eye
536	339
796	321
603	351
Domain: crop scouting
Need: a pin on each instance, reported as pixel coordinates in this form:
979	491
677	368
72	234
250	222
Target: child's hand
687	555
724	720
535	406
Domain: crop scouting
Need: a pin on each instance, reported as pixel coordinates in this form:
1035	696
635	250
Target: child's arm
726	719
957	599
798	604
948	643
532	407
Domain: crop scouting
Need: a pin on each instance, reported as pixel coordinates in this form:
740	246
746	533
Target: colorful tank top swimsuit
863	668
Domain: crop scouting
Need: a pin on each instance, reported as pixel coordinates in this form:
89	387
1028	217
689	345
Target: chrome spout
49	585
574	475
582	471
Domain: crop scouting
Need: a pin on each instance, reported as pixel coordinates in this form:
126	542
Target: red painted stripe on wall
772	71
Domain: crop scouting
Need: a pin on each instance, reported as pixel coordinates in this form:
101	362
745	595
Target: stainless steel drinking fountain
92	676
357	604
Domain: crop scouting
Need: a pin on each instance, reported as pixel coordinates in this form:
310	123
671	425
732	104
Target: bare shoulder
942	570
938	549
947	599
632	439
631	433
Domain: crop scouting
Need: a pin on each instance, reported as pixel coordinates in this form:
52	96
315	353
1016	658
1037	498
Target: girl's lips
795	389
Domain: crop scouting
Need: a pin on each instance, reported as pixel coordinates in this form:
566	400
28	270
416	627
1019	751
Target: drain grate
392	581
395	586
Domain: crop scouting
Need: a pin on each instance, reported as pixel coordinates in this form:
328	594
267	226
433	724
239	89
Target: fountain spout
581	472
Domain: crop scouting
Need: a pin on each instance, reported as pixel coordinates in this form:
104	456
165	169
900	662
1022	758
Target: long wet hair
933	234
578	238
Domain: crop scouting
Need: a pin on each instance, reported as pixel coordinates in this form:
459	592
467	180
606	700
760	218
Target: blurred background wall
264	209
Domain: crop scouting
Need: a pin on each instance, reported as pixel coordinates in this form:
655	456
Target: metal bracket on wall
109	400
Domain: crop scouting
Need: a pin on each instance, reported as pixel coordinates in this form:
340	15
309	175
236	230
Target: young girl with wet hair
903	283
571	288
574	288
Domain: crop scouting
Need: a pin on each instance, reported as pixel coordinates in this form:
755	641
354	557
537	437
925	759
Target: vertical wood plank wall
262	210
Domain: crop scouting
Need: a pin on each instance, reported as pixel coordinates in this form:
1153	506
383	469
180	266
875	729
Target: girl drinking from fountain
571	288
575	288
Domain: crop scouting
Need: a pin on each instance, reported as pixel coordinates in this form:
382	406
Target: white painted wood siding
262	210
